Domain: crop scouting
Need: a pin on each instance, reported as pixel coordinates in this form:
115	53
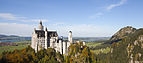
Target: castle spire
41	26
40	22
70	37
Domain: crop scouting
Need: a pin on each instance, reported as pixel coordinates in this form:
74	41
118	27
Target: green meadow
22	42
11	48
98	47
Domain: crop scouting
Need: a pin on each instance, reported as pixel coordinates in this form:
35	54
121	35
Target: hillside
129	49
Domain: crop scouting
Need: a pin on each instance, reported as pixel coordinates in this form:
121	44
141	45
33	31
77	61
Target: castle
43	39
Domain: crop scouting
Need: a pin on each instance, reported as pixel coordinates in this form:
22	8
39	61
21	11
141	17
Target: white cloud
16	29
33	20
82	30
9	16
108	8
79	30
115	5
96	15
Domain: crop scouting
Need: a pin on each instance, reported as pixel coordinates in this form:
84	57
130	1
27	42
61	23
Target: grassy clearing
11	48
103	50
98	47
90	44
22	42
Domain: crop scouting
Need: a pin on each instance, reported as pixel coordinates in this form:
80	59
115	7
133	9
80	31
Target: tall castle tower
46	38
70	37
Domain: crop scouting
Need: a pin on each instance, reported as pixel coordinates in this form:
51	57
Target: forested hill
129	49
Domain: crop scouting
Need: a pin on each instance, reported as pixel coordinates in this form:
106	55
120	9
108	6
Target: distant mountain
7	37
14	36
1	35
88	38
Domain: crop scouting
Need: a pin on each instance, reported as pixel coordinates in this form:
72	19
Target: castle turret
41	26
34	36
64	47
61	44
70	37
46	38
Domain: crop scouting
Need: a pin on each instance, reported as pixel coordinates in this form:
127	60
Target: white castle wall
53	40
68	44
46	40
64	47
33	41
41	41
61	46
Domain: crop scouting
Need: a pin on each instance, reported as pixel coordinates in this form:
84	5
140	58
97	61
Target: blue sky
86	18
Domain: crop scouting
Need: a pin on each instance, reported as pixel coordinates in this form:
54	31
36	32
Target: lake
74	38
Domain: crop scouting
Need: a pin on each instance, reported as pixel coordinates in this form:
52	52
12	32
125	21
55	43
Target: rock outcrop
123	33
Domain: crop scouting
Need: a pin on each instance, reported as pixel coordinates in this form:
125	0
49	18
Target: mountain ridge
2	35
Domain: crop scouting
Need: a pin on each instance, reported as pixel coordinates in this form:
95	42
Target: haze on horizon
85	18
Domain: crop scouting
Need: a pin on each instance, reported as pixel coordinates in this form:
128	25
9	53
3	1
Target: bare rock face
135	50
123	33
